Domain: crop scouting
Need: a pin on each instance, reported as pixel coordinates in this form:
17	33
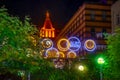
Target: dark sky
60	10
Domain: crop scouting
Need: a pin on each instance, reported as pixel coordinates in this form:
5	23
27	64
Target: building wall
89	22
115	13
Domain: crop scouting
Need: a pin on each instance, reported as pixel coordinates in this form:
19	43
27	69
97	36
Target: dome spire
47	14
47	30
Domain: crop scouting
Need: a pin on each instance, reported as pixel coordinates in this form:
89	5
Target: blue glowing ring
57	53
76	45
93	46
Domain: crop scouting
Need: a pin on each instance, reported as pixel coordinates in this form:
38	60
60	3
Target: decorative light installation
61	55
47	30
90	45
52	53
71	54
47	43
63	44
75	43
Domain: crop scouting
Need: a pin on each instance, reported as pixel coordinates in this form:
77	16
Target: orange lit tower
47	31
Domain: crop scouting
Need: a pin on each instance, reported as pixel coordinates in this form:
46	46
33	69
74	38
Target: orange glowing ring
61	55
90	45
60	46
71	54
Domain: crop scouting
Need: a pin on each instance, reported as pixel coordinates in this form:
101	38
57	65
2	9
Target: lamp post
100	61
81	67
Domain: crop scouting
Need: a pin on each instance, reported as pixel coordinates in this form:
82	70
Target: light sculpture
75	43
90	45
47	43
61	55
63	44
52	53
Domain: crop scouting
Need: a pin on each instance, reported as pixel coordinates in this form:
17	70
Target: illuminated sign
63	44
47	43
75	43
52	53
89	45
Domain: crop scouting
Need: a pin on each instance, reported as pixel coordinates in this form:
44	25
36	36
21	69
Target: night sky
60	10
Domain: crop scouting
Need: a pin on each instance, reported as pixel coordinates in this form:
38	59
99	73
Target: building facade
91	21
115	15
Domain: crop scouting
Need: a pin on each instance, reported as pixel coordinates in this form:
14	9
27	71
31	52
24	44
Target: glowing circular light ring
78	42
60	47
45	45
93	47
63	55
68	54
57	53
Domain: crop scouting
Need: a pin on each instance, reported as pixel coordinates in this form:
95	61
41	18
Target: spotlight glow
81	68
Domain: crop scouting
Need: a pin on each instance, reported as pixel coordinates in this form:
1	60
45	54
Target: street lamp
81	67
100	61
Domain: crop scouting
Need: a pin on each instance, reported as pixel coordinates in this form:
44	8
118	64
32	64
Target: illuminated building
115	15
91	21
47	31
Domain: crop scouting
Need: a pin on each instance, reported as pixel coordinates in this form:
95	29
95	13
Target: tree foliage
19	46
113	56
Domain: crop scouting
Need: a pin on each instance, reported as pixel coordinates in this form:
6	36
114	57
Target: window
92	32
92	15
104	33
104	15
118	19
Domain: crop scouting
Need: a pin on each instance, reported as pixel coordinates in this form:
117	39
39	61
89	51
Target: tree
19	46
114	55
